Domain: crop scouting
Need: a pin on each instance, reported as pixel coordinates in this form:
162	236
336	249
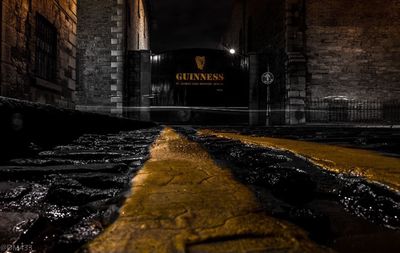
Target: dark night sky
188	23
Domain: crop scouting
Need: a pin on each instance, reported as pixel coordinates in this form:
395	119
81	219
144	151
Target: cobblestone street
61	198
193	191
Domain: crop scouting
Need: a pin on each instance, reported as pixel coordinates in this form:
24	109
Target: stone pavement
58	199
182	201
197	193
371	165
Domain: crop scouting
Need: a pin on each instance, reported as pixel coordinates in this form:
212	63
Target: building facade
107	31
38	50
320	50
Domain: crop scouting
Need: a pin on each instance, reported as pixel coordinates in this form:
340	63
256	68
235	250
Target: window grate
46	49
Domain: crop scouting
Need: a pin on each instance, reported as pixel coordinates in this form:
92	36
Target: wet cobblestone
381	139
183	201
62	198
67	195
291	188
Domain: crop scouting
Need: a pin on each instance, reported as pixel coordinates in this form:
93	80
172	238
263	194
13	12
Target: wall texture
100	53
107	30
320	49
18	44
353	49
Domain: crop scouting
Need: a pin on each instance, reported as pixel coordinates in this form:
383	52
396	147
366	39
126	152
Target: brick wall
322	48
100	52
106	30
353	49
18	42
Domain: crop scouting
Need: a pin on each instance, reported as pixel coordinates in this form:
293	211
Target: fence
345	111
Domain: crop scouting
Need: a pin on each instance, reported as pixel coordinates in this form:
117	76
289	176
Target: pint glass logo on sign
200	62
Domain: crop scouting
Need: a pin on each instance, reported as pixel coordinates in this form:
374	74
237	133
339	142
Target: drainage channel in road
342	212
62	198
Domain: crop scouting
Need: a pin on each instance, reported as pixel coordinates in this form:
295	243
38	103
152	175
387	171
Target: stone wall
295	62
321	48
353	49
101	52
18	49
107	29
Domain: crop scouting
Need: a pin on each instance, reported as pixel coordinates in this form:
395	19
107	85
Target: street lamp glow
232	51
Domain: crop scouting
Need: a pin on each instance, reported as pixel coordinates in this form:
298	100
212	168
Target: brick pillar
117	57
296	63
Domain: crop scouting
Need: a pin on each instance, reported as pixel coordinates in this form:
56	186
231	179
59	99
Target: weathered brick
326	47
19	45
358	42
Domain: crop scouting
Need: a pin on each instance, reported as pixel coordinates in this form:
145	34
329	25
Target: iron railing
351	111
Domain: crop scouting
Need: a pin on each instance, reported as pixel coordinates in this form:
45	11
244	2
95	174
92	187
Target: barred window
46	49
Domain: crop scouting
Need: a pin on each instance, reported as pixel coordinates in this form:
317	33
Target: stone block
72	62
71	84
117	30
296	101
117	52
14	225
116	99
72	38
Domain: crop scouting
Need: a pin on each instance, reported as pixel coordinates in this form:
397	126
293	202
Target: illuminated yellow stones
182	201
368	164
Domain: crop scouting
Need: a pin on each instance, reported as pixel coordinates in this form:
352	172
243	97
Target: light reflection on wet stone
73	191
321	202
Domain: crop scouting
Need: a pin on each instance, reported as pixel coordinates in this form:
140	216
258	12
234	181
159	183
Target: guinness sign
201	77
210	77
198	77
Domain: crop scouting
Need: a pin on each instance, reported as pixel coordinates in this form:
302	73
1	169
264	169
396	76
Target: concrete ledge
26	126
